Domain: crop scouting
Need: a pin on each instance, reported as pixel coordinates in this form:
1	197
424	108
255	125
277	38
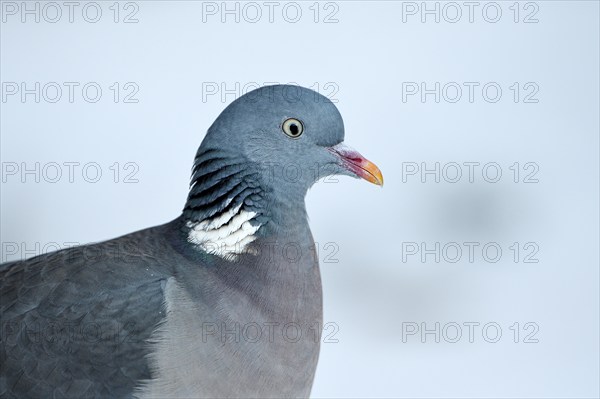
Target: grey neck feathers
233	208
222	183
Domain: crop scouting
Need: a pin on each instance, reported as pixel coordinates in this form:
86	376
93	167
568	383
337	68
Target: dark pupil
294	129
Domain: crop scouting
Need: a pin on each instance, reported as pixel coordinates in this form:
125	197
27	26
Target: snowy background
441	96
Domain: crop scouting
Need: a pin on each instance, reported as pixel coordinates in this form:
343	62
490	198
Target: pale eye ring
293	128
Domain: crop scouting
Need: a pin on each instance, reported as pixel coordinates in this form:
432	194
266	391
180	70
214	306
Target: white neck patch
227	235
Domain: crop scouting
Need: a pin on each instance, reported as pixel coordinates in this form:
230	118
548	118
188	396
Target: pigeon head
263	153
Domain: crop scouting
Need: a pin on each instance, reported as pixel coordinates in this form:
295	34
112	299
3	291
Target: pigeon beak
357	164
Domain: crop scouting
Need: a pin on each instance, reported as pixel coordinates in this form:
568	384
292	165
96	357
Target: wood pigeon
223	301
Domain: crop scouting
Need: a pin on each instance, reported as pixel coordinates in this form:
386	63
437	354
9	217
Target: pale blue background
370	292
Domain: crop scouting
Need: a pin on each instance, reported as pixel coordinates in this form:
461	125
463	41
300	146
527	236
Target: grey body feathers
135	316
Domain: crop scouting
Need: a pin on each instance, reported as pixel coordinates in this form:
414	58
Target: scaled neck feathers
225	207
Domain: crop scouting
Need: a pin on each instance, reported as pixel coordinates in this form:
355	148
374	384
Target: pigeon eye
293	128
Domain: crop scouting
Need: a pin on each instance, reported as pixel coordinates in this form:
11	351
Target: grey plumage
159	313
74	322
